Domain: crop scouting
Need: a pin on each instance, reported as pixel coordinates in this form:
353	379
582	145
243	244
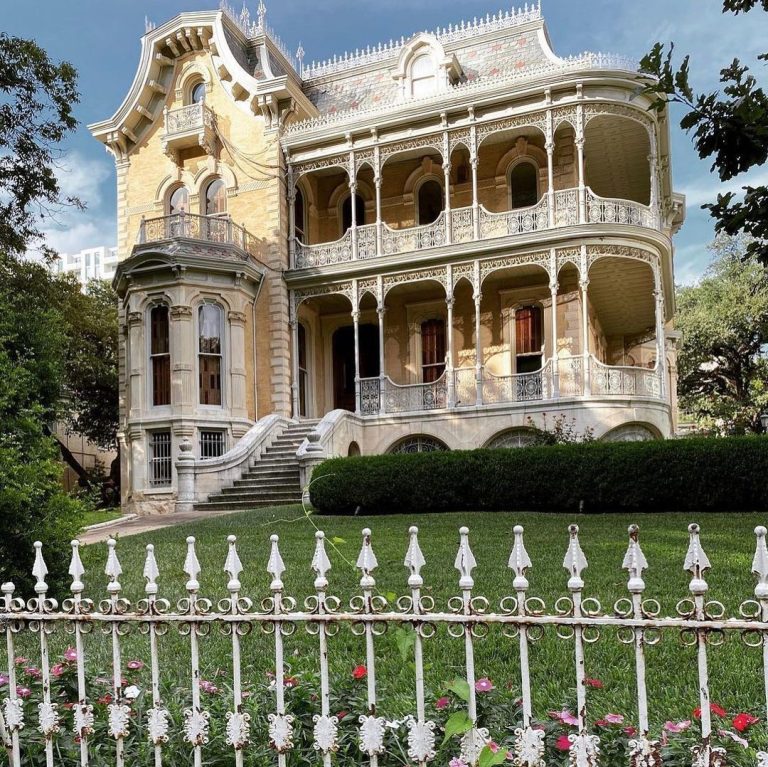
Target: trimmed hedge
696	474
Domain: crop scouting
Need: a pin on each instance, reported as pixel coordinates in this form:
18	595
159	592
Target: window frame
424	366
204	199
152	356
220	437
540	353
169	196
153	461
417	194
359	220
517	162
221	356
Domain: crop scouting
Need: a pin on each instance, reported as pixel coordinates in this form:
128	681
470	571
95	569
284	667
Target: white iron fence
700	623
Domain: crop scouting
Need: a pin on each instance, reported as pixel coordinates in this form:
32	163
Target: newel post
185	474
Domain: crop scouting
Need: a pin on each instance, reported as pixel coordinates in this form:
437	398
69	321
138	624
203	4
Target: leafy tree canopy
723	361
730	127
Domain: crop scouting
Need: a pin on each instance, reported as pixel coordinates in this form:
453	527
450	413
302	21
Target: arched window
346	213
303	374
430	201
432	350
523	185
160	355
197	94
423	75
215	198
418	444
529	339
178	201
209	353
298	216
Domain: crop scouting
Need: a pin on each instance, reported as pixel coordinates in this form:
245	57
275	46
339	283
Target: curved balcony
569	207
189	126
624	381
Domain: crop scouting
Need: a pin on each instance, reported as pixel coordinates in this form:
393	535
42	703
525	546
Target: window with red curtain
432	350
160	355
209	353
529	333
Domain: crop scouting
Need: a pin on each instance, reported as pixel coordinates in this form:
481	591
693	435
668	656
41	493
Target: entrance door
344	362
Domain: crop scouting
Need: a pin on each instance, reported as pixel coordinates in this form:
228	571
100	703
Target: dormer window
424	68
423	75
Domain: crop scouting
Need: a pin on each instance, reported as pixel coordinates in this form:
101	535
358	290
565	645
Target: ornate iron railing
605	210
518	221
518	619
325	253
462	225
465	383
366	241
567	207
415	237
571	376
624	380
190	226
370	396
519	387
188	118
414	398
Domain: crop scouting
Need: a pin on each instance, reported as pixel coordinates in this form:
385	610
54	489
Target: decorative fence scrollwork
518	221
520	387
370	396
523	620
414	398
624	380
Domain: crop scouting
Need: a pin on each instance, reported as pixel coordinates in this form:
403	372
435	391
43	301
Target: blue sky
101	39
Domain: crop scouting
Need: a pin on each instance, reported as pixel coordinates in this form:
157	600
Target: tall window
178	202
529	339
303	376
423	75
524	185
430	201
432	350
160	355
198	93
346	213
298	216
209	353
160	470
215	198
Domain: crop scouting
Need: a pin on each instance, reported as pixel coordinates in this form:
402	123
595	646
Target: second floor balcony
189	126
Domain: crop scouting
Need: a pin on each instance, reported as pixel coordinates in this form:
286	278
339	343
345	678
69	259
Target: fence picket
13	712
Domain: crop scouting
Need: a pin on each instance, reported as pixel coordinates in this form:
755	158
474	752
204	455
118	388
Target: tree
38	97
731	128
723	361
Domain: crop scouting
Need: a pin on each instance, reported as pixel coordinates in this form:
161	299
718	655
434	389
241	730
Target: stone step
277	463
265	472
273	451
239	498
255	503
258	487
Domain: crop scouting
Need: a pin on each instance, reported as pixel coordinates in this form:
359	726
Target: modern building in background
90	264
445	241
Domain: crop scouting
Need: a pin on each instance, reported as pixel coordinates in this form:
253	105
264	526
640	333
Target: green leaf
391	596
458	723
406	639
459	687
336	540
489	759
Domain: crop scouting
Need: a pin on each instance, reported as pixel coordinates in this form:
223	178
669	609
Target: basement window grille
160	458
212	444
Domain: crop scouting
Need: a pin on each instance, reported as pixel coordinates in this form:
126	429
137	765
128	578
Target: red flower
290	681
105	700
714	708
441	703
743	721
596	683
341	715
563	744
629	731
359	672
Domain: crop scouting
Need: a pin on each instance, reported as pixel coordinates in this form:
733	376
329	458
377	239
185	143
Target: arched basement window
346	213
524	185
529	332
432	350
210	353
430	202
160	355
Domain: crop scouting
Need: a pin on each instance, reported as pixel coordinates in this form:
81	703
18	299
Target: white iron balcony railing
414	398
518	387
624	380
370	396
568	208
187	119
214	229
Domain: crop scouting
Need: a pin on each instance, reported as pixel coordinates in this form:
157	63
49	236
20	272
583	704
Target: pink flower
614	719
134	665
208	687
57	669
23	692
484	685
441	703
734	737
456	762
493	746
677	726
630	731
32	671
566	717
3	680
70	654
601	723
19	661
596	683
563	744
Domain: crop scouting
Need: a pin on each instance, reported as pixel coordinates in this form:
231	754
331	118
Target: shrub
695	474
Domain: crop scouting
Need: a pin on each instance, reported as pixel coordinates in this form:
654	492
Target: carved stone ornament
584	750
119	718
196	726
157	725
421	740
83	715
529	747
325	733
14	713
372	735
281	732
238	729
709	756
644	753
472	743
49	719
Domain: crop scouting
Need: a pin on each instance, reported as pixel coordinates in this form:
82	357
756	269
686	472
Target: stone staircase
272	481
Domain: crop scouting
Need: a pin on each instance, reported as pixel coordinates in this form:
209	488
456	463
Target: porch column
447	186
291	217
583	286
661	351
653	169
473	161
356	325
294	322
353	201
381	311
450	374
580	151
555	358
478	297
550	147
377	184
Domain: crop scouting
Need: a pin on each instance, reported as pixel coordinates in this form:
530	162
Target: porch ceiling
621	293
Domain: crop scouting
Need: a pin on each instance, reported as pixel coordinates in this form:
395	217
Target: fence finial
151	571
275	566
760	563
40	569
635	562
366	561
696	561
320	562
465	560
113	570
233	566
519	561
414	559
76	569
192	566
575	562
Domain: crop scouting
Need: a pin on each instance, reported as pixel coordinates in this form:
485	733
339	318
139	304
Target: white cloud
707	188
691	262
82	177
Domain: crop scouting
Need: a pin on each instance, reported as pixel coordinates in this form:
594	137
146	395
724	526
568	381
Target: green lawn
736	673
98	516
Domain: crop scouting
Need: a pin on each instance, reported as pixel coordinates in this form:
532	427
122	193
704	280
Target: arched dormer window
346	213
523	183
424	67
429	200
423	74
215	198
